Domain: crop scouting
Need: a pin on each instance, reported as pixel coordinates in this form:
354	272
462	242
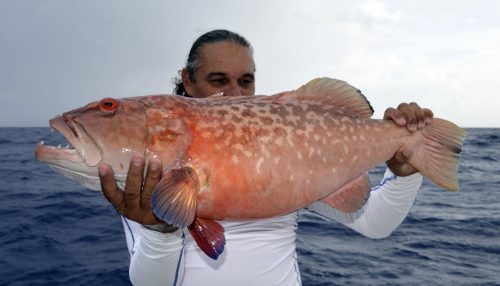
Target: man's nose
233	89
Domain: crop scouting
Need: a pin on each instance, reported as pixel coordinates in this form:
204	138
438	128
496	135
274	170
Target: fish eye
108	105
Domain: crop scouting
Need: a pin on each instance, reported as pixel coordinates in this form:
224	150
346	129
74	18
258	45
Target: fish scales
294	138
244	158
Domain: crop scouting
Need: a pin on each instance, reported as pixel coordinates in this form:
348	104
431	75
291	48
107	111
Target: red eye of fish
108	105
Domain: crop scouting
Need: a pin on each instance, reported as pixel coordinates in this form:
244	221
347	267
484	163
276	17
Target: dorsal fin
331	92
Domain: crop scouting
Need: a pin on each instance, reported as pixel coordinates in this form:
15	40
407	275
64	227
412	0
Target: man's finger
152	178
395	115
133	185
419	115
409	114
109	188
428	115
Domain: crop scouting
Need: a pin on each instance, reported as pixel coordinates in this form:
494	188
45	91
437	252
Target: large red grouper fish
246	158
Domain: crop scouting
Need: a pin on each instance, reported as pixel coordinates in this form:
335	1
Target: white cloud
379	11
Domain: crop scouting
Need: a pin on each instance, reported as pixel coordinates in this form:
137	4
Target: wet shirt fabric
260	252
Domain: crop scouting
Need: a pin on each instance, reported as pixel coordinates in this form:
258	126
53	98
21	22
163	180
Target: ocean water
54	232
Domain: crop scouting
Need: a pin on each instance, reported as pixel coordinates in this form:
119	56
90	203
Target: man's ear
186	80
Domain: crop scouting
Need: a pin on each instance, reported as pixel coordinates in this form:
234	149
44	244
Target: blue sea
54	232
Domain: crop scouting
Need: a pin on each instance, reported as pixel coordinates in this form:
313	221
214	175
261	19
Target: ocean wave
54	232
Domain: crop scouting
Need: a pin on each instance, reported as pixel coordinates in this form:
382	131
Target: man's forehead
225	74
220	57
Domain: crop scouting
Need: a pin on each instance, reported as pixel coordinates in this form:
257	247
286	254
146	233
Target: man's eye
218	81
246	82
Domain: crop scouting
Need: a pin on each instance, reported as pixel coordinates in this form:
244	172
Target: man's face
224	67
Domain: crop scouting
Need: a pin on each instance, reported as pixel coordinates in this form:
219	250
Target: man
257	252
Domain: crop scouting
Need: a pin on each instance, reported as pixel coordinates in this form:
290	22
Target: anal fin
352	196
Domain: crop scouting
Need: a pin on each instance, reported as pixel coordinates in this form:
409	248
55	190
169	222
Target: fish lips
85	149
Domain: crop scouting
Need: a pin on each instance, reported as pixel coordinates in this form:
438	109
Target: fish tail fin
438	156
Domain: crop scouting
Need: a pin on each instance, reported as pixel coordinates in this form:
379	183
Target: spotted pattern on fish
290	149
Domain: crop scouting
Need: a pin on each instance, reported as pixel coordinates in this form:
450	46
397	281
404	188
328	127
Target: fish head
107	131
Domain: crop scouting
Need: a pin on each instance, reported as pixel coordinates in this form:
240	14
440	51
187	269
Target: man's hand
414	118
135	202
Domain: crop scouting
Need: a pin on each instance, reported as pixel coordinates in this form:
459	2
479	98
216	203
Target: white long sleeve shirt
260	252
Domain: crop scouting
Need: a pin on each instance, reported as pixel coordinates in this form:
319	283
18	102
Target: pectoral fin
174	201
174	198
352	196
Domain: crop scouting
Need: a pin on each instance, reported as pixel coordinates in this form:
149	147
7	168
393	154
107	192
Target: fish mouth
81	149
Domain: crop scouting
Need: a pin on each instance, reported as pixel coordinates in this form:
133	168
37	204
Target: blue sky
57	55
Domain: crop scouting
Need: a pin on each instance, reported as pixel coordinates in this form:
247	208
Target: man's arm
156	258
156	255
390	202
387	207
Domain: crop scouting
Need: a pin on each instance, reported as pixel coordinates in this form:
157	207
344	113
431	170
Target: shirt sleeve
156	258
389	203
